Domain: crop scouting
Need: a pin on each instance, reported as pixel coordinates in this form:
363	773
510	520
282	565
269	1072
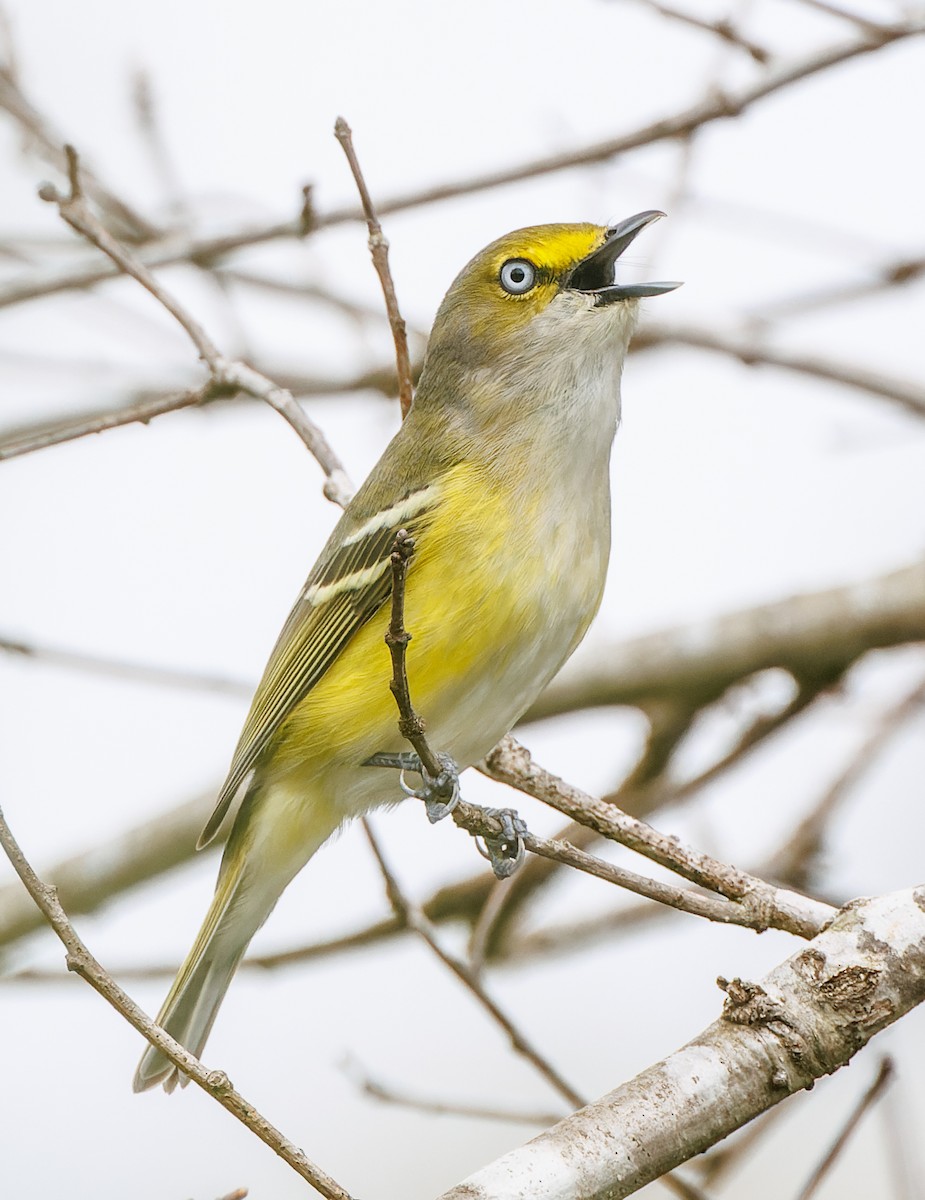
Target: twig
893	274
215	1083
870	1097
454	1108
867	27
793	861
639	794
410	725
41	436
226	376
723	29
14	101
115	668
379	249
907	394
511	763
415	920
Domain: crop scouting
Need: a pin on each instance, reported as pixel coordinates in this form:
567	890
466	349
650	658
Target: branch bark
805	1019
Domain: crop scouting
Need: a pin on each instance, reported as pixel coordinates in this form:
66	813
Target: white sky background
183	543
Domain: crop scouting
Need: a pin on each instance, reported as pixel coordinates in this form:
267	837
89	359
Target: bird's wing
349	583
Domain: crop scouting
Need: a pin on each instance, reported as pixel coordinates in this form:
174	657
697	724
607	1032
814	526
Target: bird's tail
193	1001
275	834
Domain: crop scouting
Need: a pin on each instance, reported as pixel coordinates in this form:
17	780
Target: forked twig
226	376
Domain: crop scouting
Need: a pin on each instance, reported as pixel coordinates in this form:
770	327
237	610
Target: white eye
517	276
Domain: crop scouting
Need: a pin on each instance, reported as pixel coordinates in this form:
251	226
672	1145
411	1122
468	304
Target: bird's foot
440	793
505	851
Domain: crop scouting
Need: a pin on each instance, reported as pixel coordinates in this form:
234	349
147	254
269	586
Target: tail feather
193	1001
275	834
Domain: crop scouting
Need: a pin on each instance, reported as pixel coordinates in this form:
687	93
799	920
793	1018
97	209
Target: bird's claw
505	850
440	793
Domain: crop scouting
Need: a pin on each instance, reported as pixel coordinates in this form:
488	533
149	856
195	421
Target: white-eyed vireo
501	474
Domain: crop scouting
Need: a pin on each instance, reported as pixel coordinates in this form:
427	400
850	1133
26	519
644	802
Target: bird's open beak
594	275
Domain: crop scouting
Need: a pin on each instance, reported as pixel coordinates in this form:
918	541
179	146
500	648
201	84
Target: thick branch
807	1018
814	635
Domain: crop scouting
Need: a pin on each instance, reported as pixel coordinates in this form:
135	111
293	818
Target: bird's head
536	295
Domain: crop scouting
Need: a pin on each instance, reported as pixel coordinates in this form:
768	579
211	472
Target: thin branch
215	1083
51	147
645	790
116	668
794	860
76	213
410	724
896	273
723	29
453	1108
715	107
225	375
415	920
871	1096
379	249
907	394
39	437
769	906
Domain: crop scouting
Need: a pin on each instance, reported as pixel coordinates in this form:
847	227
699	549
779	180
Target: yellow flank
449	592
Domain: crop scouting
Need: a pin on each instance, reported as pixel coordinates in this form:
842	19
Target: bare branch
42	434
51	147
816	635
712	108
225	375
794	860
723	29
805	1019
907	394
767	905
45	434
379	249
215	1083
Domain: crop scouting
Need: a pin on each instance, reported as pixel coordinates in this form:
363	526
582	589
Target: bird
500	473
